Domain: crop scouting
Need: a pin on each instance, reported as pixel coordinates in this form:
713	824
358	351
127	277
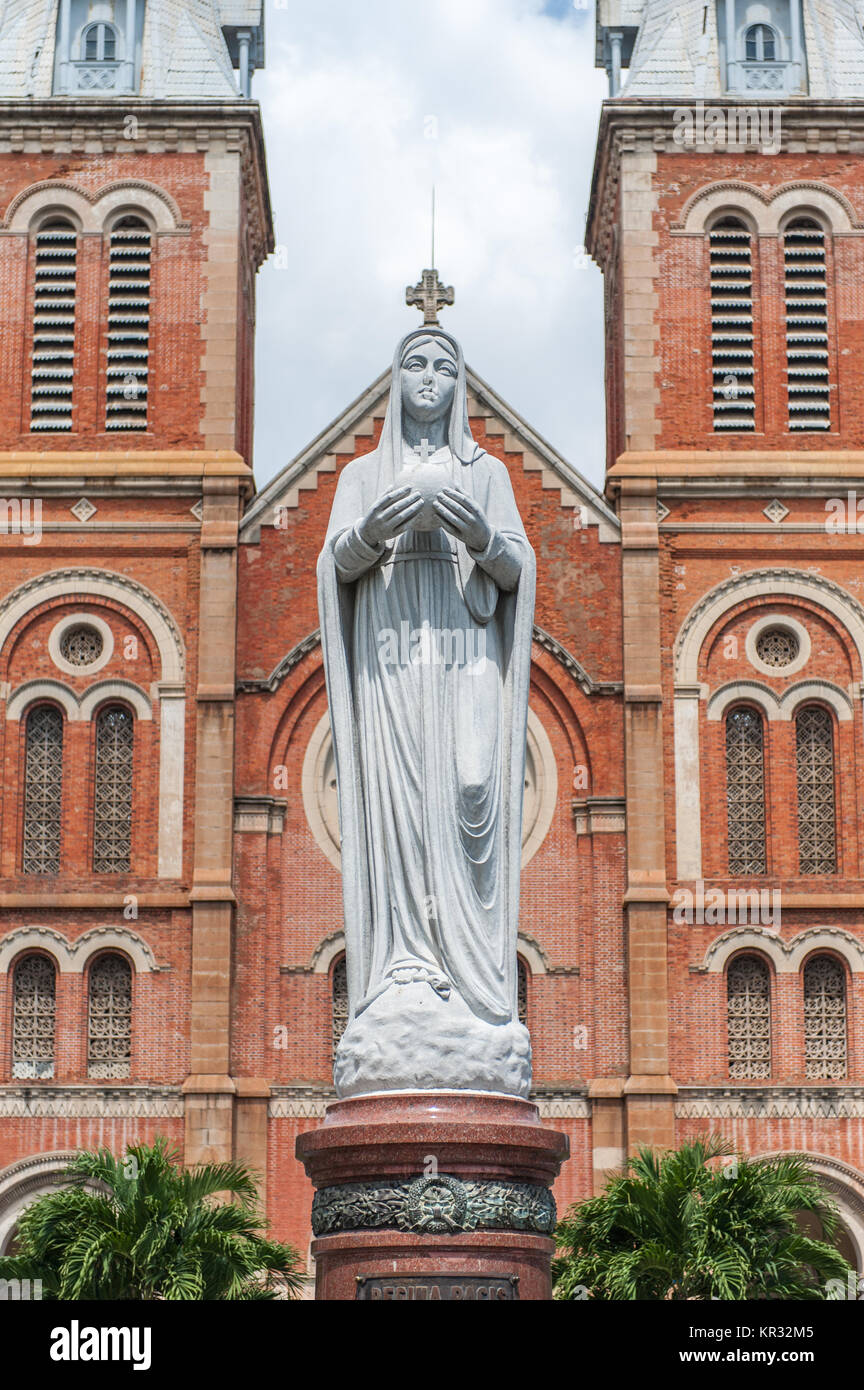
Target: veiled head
429	372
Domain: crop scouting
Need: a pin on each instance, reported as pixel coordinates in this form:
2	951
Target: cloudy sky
367	104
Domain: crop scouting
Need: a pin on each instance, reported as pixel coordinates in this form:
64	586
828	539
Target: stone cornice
634	123
63	125
792	470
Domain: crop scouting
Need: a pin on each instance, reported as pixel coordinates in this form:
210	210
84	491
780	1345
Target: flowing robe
427	652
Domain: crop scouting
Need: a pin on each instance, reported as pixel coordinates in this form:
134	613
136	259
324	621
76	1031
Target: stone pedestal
432	1196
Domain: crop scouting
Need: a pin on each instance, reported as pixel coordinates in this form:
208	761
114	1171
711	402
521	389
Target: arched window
522	991
745	791
99	43
732	333
43	790
748	1015
806	286
128	325
109	1029
112	825
824	1019
33	1010
54	284
340	1000
817	832
760	44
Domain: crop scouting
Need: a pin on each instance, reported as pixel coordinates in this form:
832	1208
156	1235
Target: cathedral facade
692	913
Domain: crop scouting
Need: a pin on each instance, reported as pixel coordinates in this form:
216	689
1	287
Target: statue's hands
463	518
390	516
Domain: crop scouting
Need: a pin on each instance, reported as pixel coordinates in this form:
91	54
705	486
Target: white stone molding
767	210
787	957
826	691
81	619
25	696
320	802
688	795
600	815
77	709
788	624
71	957
731	1102
172	739
327	951
297	1107
753	692
563	1107
94	583
532	954
115	690
93	210
778	584
22	1182
541	778
117	1102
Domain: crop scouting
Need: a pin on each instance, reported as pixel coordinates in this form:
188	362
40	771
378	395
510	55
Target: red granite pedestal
432	1196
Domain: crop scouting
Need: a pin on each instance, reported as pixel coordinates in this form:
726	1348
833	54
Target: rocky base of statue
411	1038
435	1197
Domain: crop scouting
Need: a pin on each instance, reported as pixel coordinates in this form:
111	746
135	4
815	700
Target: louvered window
52	373
113	793
824	1019
817	835
806	276
43	790
748	1013
340	1001
745	792
33	1010
732	333
128	325
109	1046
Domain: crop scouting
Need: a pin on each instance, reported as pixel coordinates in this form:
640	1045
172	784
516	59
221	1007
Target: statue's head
429	372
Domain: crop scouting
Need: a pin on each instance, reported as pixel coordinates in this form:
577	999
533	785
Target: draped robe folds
427	654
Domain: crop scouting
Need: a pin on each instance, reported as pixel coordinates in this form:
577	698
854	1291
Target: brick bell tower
134	214
727	212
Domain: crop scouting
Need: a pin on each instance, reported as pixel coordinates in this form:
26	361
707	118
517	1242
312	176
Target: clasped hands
396	509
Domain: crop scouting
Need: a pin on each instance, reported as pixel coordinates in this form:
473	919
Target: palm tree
673	1227
144	1228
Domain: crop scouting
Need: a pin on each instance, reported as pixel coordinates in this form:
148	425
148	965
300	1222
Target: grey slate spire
117	48
779	48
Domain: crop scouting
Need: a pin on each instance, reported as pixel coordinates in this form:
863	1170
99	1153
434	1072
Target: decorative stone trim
430	1206
55	639
780	707
575	668
563	1107
786	956
262	815
300	1107
72	956
326	952
778	584
600	815
767	209
751	645
768	1103
94	208
91	1102
77	710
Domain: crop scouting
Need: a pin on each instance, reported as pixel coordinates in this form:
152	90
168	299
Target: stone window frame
80	619
22	957
105	705
750	707
747	953
108	953
31	712
838	959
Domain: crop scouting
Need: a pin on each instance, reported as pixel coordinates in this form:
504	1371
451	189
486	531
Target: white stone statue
426	594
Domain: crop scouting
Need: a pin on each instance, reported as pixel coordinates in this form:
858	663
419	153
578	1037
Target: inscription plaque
438	1288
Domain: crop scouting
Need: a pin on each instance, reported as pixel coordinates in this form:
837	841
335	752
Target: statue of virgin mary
426	595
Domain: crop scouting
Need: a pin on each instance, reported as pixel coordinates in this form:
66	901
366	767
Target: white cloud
365	107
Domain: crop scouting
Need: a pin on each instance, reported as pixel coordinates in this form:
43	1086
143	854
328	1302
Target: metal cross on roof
430	296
